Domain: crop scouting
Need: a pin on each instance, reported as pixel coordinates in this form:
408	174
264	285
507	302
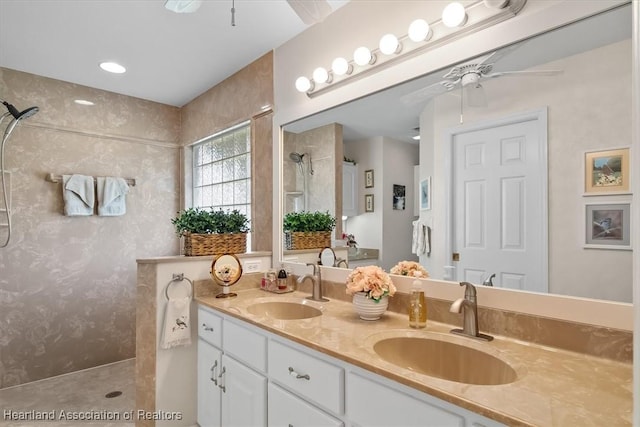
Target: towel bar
178	278
58	178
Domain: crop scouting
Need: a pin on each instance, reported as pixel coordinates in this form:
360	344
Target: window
222	170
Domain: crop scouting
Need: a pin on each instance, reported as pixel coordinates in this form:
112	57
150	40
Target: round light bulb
363	56
303	84
454	15
321	75
419	30
389	44
340	67
112	67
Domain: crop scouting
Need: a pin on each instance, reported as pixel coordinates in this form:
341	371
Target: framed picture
399	197
608	225
368	202
606	172
368	178
425	194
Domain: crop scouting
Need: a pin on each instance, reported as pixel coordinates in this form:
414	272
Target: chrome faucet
468	306
489	281
316	281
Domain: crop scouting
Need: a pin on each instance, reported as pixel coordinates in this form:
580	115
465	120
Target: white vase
367	308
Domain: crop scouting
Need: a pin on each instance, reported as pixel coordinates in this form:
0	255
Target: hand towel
111	196
177	325
78	195
416	238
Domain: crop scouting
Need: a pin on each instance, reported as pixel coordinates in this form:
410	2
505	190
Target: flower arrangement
372	280
409	268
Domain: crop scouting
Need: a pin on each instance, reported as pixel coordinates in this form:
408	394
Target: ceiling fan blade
523	73
311	11
497	55
428	92
476	96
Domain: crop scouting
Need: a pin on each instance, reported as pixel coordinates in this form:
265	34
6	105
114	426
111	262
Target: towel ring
178	278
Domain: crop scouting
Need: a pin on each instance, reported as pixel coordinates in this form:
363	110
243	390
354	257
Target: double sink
426	353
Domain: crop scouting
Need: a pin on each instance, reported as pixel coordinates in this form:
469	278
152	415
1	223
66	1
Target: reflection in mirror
583	106
327	257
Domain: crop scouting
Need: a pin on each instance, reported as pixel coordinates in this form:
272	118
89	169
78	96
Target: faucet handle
470	291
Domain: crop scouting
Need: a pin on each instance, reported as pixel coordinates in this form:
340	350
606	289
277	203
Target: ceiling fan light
454	15
341	66
389	44
419	31
321	75
363	56
303	84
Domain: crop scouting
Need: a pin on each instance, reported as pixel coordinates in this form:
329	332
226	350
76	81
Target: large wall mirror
584	104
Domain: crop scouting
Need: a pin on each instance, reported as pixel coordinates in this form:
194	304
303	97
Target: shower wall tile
68	284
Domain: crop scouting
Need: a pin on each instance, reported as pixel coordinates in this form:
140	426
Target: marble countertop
554	387
364	253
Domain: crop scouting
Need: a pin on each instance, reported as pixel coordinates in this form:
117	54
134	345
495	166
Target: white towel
111	196
419	241
78	195
177	325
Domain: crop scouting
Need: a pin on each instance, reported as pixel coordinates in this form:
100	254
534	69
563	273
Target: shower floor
72	399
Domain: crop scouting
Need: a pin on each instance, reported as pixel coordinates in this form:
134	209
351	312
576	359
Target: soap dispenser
417	306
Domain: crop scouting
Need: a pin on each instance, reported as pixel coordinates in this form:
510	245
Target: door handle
221	377
213	372
298	376
207	328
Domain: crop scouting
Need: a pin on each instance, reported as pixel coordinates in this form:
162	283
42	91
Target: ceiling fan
309	11
468	77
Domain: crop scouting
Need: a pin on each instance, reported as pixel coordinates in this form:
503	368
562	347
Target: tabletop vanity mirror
575	79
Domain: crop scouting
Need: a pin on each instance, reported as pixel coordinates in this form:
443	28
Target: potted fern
211	232
308	230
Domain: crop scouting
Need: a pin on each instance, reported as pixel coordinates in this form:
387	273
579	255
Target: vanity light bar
421	37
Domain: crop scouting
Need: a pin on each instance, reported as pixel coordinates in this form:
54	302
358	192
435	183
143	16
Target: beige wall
324	146
67	284
248	94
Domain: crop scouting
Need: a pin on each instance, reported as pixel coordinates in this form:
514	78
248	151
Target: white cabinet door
244	395
287	410
349	189
209	368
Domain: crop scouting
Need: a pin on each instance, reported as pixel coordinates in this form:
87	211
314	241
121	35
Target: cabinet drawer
316	380
406	410
245	345
209	326
287	410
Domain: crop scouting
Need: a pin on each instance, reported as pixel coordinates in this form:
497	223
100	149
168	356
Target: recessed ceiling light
83	102
112	67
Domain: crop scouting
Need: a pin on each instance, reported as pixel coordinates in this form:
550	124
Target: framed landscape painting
606	172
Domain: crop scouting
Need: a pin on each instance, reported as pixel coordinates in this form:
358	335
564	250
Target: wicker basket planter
294	240
214	244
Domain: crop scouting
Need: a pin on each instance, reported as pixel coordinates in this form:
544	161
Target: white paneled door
499	207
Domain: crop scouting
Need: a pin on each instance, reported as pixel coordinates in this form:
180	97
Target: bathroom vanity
326	367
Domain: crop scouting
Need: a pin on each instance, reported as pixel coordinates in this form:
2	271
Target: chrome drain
113	394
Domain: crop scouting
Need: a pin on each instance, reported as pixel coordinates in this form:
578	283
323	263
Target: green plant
201	221
308	221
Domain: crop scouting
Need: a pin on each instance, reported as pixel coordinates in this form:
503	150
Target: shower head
296	157
20	114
